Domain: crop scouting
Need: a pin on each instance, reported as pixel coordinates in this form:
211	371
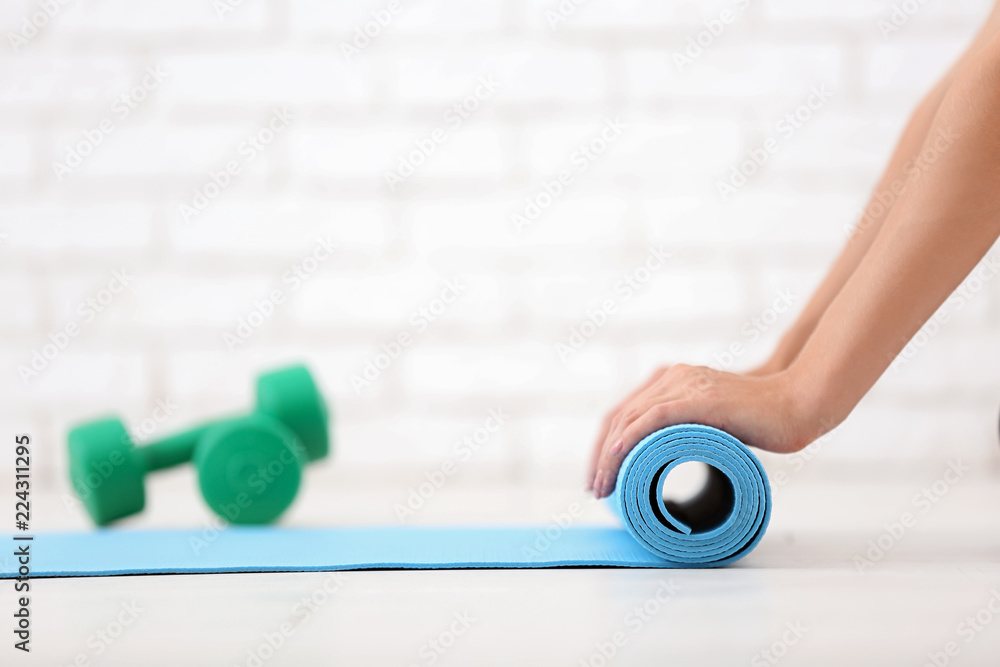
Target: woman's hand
770	412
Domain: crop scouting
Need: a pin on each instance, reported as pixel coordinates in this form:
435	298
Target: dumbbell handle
172	450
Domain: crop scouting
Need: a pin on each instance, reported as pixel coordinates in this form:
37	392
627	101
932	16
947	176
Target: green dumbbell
249	467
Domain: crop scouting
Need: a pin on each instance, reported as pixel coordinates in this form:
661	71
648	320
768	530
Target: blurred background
452	210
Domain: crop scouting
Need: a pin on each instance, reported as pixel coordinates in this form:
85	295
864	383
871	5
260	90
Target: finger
612	446
609	421
655	417
654	395
596	453
613	443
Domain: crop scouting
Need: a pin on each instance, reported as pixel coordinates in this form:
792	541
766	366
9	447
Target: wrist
769	367
808	404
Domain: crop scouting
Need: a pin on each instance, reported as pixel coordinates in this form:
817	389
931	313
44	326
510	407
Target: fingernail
608	486
617	447
598	481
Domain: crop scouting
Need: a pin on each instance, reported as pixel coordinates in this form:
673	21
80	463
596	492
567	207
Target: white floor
799	596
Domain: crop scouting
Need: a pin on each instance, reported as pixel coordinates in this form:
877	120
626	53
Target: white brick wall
325	175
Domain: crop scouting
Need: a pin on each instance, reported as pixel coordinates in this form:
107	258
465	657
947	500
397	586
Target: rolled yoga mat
721	524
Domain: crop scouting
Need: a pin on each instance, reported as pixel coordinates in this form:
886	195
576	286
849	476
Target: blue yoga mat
721	524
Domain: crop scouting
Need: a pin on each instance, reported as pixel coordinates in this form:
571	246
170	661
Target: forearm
878	209
942	223
879	293
863	233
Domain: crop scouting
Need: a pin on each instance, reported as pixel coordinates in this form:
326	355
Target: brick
799	284
153	148
476	151
350	151
574	294
189	300
78	372
451	16
441	224
192	376
550	146
576	76
12	12
878	432
931	13
443	82
681	295
946	366
86	82
566	295
708	349
265	78
337	363
911	67
158	16
628	14
583	146
20	295
47	229
971	11
488	301
236	226
325	17
423	442
733	72
89	300
17	152
385	299
572	218
427	16
752	218
200	376
854	10
846	144
563	440
524	368
653	354
651	150
735	352
526	75
593	366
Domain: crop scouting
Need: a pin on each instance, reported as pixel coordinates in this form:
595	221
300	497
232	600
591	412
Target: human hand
770	412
